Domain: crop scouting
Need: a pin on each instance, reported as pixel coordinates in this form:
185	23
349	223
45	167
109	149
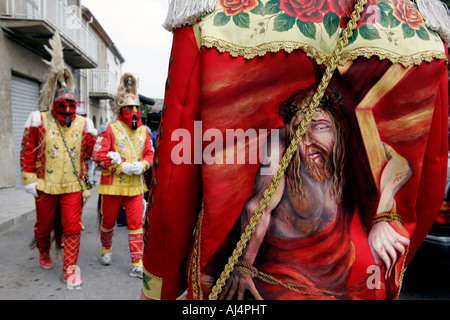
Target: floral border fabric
389	29
334	14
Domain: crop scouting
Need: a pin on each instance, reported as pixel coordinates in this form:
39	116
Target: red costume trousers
110	209
47	206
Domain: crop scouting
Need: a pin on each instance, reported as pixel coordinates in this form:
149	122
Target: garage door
24	96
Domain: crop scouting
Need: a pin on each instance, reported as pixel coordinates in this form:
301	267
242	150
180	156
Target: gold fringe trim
50	188
260	50
194	266
121	191
320	57
383	54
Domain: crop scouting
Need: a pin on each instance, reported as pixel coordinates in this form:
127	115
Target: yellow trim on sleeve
152	286
28	177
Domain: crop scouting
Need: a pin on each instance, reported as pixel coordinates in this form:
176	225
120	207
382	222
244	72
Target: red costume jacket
114	139
44	158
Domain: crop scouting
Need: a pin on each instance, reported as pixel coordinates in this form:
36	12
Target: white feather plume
436	15
127	84
59	74
187	12
56	62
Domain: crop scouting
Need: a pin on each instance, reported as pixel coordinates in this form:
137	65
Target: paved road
21	278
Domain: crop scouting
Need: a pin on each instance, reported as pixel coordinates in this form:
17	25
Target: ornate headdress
126	93
59	81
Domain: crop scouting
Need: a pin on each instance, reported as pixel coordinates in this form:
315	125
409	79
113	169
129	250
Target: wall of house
115	67
100	110
18	60
14	59
96	109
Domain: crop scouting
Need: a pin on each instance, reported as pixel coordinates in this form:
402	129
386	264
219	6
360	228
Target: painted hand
238	283
387	245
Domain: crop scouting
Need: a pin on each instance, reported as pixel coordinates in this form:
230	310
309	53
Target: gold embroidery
59	177
251	52
402	274
406	61
123	184
194	267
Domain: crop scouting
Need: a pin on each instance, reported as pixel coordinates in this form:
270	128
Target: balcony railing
102	84
59	16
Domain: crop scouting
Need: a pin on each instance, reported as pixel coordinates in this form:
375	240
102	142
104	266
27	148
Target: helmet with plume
59	83
126	93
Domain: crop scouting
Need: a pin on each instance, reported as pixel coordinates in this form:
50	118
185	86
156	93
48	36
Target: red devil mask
64	111
131	116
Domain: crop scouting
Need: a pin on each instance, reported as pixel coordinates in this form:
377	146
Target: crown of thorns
293	106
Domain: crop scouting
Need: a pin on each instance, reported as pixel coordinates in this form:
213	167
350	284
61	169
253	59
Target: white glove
90	128
138	168
127	168
115	157
31	189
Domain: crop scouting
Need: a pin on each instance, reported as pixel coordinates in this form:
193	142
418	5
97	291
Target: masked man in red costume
124	151
232	64
55	146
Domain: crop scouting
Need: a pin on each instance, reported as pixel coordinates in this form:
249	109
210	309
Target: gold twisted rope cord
254	273
254	221
197	293
387	216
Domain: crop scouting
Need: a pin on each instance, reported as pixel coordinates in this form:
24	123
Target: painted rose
234	7
407	13
344	8
305	10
